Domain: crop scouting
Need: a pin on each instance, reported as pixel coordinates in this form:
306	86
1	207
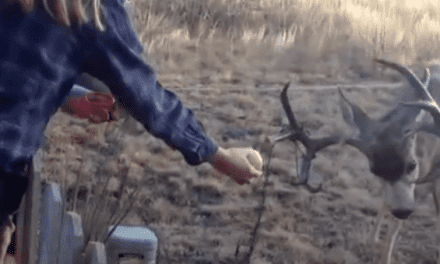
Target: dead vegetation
334	38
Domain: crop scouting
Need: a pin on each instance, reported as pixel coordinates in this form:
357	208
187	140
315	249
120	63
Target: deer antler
296	133
410	76
427	102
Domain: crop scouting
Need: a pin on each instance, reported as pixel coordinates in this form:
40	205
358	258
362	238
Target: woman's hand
241	164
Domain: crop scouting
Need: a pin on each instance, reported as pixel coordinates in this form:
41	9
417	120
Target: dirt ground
201	216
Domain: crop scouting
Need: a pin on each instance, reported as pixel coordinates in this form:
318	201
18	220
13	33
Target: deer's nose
402	214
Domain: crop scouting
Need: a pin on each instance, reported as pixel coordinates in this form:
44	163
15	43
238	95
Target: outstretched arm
110	58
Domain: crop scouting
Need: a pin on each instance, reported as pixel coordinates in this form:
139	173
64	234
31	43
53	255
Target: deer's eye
411	166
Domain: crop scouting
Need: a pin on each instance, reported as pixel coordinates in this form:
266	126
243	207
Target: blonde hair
66	12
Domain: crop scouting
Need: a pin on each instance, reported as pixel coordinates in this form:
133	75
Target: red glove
97	107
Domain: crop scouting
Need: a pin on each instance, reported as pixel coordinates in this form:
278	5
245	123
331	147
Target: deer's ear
352	114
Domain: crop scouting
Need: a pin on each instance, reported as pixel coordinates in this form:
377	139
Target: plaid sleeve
109	56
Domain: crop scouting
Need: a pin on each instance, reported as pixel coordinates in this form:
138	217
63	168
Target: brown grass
79	156
337	37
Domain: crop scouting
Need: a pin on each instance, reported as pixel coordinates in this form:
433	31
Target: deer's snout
400	199
402	213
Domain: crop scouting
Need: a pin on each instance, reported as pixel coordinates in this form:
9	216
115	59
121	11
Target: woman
45	46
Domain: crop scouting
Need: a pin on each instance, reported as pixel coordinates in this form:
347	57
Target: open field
203	217
238	38
228	60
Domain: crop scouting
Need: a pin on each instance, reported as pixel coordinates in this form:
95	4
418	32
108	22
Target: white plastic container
132	241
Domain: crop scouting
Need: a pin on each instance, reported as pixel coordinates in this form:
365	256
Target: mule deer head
428	103
388	142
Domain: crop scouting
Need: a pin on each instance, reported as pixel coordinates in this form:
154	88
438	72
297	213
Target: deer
388	142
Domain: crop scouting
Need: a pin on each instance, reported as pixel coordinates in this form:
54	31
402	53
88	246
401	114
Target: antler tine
312	145
414	81
286	106
297	132
431	107
427	103
427	78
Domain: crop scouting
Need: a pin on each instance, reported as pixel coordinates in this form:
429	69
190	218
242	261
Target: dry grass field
227	60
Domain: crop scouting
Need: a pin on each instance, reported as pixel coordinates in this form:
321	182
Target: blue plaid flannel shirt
39	62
